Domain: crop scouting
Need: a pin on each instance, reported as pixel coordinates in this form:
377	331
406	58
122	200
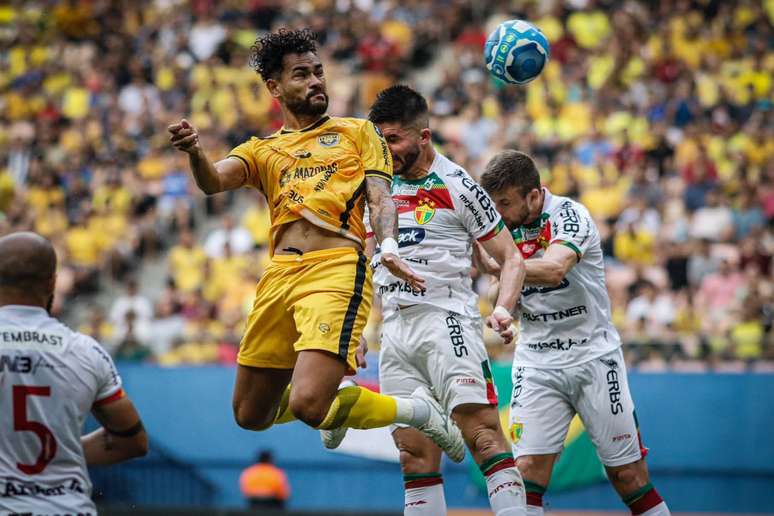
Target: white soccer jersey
571	323
50	378
439	216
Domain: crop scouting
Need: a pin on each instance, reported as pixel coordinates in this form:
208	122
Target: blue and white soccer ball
516	52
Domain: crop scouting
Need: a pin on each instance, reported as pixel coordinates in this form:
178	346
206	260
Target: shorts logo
465	381
517	430
424	212
614	391
324	328
302	154
518	378
455	335
329	139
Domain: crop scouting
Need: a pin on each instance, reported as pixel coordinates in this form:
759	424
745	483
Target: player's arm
384	223
511	268
211	178
122	436
551	268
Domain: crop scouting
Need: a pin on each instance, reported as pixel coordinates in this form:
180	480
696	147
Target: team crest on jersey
302	154
424	211
329	139
517	430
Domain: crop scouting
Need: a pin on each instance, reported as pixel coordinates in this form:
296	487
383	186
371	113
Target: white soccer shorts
423	345
544	402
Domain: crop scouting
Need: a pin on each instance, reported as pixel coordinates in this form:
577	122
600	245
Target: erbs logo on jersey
410	236
481	197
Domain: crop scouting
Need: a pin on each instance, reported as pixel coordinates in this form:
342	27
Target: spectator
140	306
238	238
264	485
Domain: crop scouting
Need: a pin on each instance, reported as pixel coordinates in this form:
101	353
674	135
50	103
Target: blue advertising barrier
709	436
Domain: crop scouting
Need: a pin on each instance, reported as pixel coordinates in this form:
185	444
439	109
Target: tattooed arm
384	222
122	436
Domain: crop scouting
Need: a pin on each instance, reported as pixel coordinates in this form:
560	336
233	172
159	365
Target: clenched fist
184	137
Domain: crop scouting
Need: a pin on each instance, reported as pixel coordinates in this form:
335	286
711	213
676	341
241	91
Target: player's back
50	378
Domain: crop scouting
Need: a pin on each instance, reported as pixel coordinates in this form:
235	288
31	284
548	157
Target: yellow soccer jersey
317	173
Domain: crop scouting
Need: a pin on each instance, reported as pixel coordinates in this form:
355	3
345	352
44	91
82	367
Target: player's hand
501	323
511	334
484	262
399	269
360	353
184	136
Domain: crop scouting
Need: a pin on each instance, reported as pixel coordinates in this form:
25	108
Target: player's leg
402	370
266	356
420	462
331	309
461	375
480	426
258	396
606	407
540	418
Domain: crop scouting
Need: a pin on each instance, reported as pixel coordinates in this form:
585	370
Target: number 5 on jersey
22	424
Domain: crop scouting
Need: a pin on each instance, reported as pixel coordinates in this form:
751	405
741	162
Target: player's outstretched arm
122	436
512	273
551	268
211	178
384	222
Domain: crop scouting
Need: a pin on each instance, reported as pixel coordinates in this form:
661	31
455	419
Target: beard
408	161
306	107
518	221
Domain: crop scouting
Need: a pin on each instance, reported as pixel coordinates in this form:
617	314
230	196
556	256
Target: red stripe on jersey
110	399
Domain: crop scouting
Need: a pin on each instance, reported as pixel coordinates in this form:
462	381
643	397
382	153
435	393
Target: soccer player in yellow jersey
312	303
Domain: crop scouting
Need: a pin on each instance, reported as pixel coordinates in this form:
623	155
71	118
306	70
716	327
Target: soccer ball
516	52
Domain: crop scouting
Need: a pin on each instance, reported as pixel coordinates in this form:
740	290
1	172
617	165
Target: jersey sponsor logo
481	196
556	344
326	177
405	189
455	336
302	154
295	197
329	139
11	338
570	219
410	236
528	291
622	437
476	214
22	364
16	487
402	286
420	261
556	316
424	212
614	391
458	173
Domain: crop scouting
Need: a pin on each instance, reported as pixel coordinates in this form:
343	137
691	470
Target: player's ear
273	86
424	135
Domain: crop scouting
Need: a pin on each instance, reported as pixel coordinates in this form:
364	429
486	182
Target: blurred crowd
656	115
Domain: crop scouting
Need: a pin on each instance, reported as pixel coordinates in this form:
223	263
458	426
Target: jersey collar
24	310
315	125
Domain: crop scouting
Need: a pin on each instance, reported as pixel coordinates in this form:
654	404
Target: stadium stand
663	129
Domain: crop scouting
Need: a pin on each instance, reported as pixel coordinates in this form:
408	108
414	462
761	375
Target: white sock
410	411
534	511
659	510
426	500
505	488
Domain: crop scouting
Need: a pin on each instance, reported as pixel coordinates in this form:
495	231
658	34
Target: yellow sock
284	414
357	407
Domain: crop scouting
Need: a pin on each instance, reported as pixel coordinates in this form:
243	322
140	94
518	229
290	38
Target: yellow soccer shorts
319	300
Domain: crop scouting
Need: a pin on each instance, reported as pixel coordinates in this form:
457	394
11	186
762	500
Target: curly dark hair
267	52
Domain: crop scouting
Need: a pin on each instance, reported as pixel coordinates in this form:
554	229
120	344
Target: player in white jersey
50	378
432	336
568	357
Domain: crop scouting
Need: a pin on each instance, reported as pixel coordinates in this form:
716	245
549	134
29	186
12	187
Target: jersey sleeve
476	208
109	385
572	226
246	153
377	160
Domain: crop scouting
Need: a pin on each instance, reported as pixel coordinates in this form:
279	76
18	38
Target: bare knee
629	477
308	407
536	468
249	418
417	454
480	426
